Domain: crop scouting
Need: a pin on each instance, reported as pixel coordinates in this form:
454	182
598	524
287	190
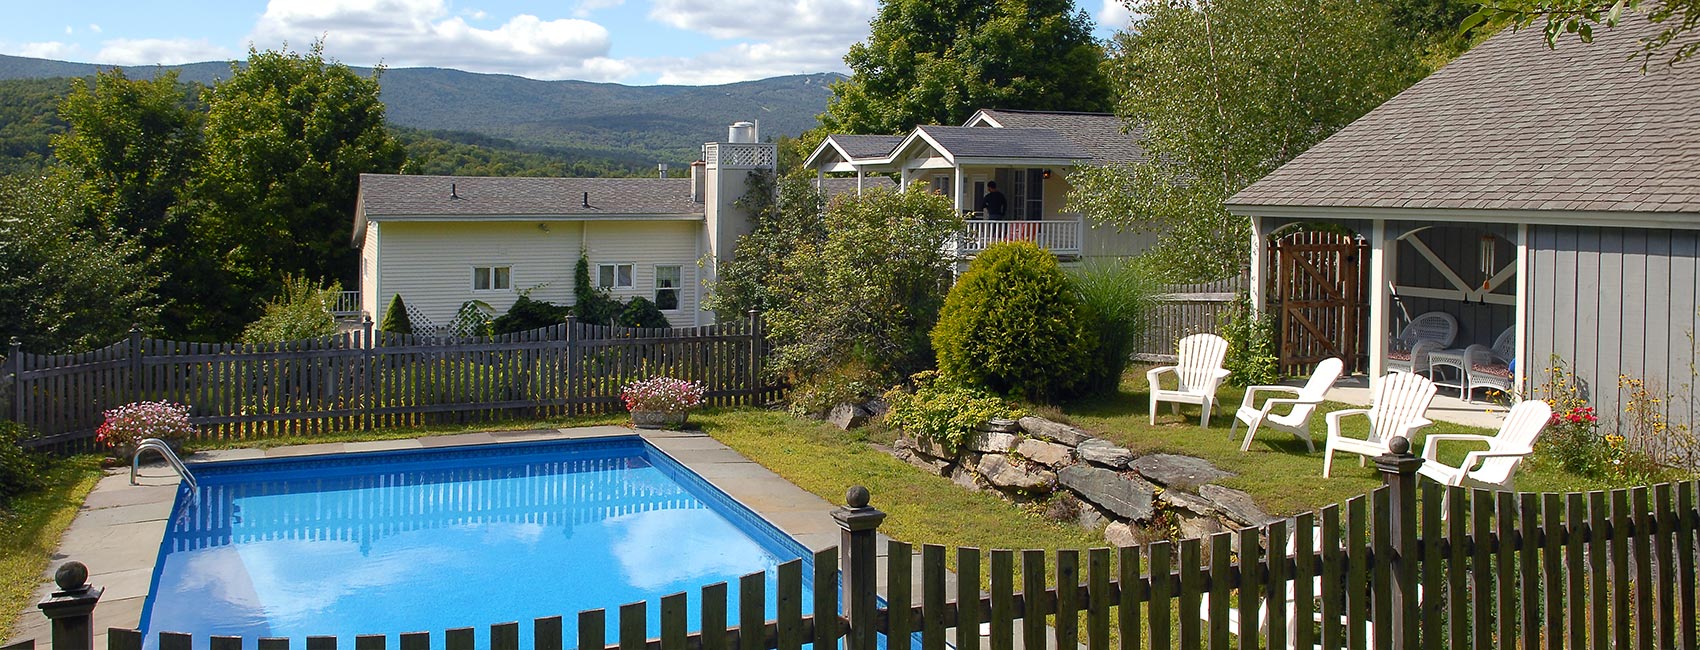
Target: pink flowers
138	421
662	394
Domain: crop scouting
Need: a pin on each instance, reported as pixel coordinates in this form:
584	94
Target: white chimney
741	133
698	175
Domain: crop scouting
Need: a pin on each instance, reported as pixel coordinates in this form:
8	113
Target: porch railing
1060	237
347	304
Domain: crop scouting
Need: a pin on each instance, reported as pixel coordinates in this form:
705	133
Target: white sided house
1029	154
440	241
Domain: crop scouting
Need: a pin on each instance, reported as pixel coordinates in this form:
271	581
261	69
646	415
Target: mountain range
660	123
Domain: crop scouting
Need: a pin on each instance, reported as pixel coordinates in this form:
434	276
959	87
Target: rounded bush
1014	325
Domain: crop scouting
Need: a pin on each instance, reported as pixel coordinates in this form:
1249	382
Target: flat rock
1108	490
928	447
1103	452
992	442
1178	471
926	463
1198	527
1053	431
1120	534
876	407
1235	505
1001	425
1090	517
998	470
847	416
961	476
1049	454
1189	502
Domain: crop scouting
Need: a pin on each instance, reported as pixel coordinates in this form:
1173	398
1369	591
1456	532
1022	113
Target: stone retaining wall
1133	499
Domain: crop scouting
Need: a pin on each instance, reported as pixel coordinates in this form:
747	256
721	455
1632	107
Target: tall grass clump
1118	292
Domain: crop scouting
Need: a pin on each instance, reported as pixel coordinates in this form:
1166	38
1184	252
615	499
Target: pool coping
119	527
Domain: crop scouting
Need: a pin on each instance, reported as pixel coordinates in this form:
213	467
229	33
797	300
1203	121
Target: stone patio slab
382	445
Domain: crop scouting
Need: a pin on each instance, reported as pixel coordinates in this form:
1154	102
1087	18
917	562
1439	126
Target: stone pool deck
118	531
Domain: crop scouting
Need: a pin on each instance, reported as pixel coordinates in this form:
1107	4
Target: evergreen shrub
396	318
528	314
1014	324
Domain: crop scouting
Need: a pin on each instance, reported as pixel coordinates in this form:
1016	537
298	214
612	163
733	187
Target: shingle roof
833	186
980	142
1516	125
1101	134
867	146
383	195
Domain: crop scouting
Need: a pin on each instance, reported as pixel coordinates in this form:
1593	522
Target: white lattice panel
760	155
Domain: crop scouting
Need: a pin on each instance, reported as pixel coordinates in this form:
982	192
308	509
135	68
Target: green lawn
29	533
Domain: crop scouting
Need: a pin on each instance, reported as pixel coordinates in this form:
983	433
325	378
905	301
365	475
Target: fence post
17	363
572	364
367	370
71	609
859	566
1399	473
752	376
136	388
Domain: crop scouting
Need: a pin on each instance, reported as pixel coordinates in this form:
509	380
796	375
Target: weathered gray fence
370	379
1185	309
1401	567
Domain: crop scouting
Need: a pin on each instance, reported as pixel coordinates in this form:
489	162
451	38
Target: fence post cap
1399	459
857	515
75	596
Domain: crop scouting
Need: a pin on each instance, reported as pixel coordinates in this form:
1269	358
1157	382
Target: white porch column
1520	373
858	182
1258	265
957	192
1380	299
820	180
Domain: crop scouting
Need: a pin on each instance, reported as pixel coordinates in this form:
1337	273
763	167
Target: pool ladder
170	457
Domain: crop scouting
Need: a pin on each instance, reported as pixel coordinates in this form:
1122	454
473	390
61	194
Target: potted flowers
660	402
128	425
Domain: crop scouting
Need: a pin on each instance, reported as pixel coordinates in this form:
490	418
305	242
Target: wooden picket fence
368	379
1182	310
1401	567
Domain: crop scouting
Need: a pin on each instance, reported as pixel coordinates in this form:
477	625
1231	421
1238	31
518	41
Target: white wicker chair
1494	467
1486	367
1199	371
1426	333
1304	403
1401	398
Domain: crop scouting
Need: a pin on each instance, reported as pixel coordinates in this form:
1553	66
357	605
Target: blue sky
691	42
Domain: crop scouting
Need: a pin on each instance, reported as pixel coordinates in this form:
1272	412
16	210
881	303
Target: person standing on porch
994	202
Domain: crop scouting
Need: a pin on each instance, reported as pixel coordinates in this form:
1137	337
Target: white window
1028	200
492	278
667	286
614	276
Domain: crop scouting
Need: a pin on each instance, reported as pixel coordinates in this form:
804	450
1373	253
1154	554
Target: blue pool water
427	540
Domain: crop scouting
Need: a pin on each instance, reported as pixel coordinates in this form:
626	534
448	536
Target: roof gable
1516	125
407	196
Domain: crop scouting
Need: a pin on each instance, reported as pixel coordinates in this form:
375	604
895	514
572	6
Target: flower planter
643	419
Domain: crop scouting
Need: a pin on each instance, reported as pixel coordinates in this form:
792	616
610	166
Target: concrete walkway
1446	407
118	531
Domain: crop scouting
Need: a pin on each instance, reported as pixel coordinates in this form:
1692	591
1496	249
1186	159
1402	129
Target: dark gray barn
1555	192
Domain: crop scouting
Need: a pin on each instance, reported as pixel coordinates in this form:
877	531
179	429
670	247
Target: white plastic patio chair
1492	468
1233	618
1304	403
1426	333
1486	367
1400	400
1200	372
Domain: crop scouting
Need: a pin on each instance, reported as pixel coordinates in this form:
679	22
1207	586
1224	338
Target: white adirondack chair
1304	403
1200	373
1426	333
1400	401
1494	467
1486	367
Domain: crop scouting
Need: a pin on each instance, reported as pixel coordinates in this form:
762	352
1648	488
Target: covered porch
1468	276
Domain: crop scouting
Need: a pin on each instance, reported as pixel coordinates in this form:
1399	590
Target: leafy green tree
287	137
396	318
936	61
1677	42
131	146
66	285
868	292
29	118
301	310
786	214
592	305
1225	91
1014	324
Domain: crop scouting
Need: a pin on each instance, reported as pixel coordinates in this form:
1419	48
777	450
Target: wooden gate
1321	299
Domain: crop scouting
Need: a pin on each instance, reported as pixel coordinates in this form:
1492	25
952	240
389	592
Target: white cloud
1115	16
94	28
162	51
846	20
42	50
69	30
747	61
586	7
406	33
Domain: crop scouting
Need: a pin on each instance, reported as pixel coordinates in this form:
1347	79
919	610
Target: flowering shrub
662	394
132	423
941	411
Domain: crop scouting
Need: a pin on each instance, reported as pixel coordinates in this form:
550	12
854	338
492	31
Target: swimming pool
427	540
